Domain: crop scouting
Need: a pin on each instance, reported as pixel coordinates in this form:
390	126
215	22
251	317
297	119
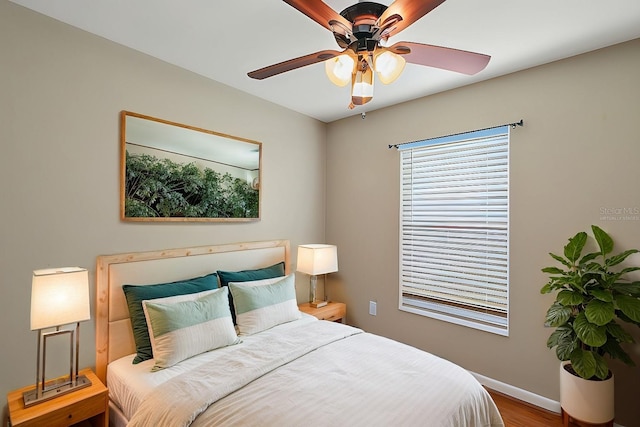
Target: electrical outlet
373	308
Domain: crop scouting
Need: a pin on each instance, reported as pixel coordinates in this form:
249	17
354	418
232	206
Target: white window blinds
454	242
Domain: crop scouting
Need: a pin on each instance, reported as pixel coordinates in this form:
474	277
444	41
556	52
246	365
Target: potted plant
593	294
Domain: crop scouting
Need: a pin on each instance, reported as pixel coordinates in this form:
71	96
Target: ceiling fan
362	31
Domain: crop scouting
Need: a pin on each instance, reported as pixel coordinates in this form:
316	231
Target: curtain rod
513	126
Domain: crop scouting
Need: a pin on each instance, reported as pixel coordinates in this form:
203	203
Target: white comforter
321	374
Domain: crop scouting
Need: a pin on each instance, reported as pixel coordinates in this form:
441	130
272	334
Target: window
454	225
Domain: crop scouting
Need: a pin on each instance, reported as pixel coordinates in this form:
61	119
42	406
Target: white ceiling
223	40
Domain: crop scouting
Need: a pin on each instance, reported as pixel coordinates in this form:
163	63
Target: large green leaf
573	249
592	267
617	259
565	348
629	270
602	295
571	279
546	288
589	257
563	334
584	363
600	312
560	259
568	298
621	273
626	318
552	270
589	333
602	367
576	282
605	242
552	286
615	351
629	306
557	315
632	289
618	333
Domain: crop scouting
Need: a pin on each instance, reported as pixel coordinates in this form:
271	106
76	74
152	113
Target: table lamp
59	296
315	259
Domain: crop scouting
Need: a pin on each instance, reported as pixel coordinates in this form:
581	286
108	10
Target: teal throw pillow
135	294
276	270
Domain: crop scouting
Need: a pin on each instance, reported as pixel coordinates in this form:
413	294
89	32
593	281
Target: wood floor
516	413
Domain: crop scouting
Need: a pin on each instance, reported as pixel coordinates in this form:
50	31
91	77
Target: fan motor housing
363	17
353	12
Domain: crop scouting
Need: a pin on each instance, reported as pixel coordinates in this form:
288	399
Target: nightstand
89	403
333	311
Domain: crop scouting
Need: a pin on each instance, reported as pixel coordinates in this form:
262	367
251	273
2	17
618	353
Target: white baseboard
520	394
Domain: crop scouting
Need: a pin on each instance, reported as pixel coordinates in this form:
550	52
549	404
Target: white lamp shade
389	66
315	259
362	84
339	69
59	296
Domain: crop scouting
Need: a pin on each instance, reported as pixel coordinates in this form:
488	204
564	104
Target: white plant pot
585	400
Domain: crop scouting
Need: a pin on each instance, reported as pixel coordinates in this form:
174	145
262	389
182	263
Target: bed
255	359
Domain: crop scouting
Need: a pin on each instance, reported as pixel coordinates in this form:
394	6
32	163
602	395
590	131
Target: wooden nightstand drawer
90	403
333	311
72	414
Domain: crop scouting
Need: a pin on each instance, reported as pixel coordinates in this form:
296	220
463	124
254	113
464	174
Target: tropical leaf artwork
161	188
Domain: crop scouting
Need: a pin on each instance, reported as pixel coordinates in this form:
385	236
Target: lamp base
317	304
54	390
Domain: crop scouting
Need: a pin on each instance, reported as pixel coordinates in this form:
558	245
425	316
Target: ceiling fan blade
292	64
445	58
408	11
320	12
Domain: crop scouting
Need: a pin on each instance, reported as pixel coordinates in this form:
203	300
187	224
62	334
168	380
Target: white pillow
183	326
261	306
170	300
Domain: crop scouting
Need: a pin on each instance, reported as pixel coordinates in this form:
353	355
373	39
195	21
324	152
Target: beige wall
577	153
61	92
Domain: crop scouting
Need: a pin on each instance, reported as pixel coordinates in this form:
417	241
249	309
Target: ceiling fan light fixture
363	30
362	85
389	66
339	69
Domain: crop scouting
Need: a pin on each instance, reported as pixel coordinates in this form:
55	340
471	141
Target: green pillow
135	294
275	270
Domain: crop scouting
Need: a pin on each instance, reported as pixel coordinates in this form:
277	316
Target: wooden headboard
114	337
